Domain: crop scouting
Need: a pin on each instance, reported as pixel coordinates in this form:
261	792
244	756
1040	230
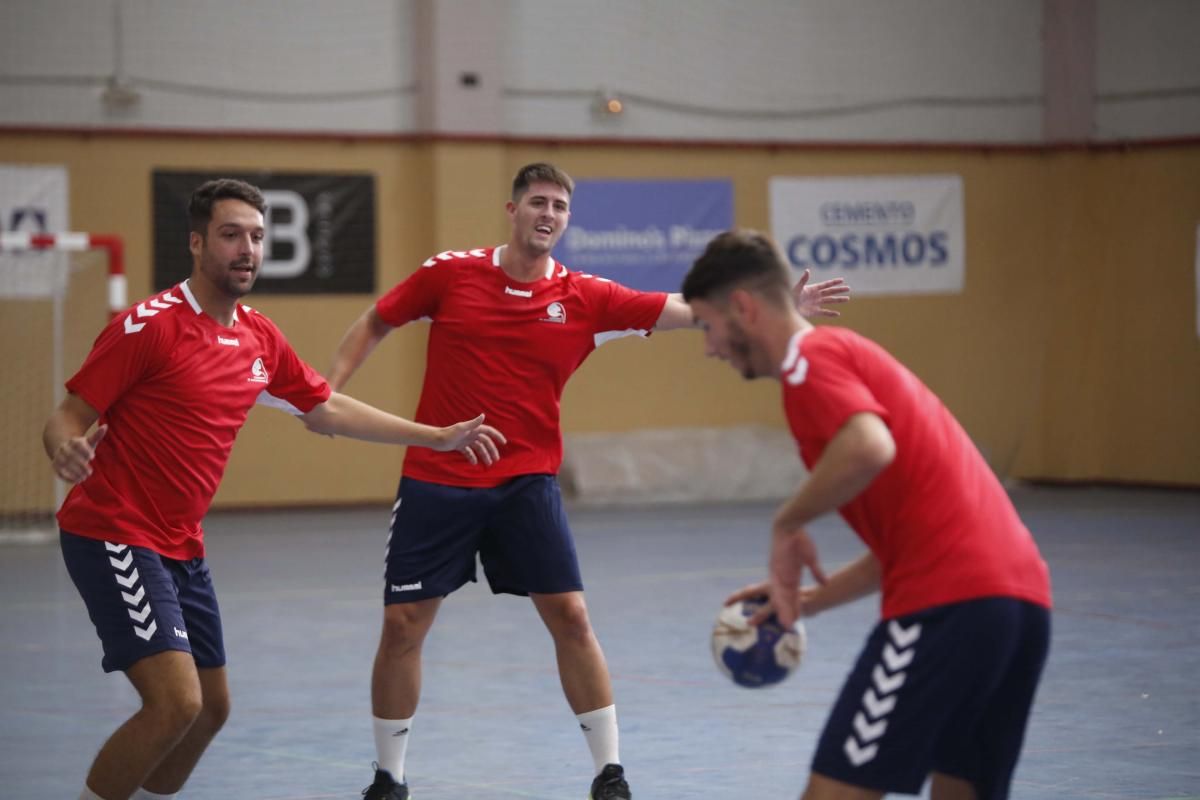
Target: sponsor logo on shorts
179	633
408	587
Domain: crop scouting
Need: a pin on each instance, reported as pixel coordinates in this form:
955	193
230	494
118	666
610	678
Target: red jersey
938	521
174	387
506	349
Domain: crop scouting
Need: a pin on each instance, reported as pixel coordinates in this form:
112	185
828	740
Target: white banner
33	199
896	234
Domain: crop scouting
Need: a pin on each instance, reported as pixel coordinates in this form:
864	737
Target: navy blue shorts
518	529
946	690
142	603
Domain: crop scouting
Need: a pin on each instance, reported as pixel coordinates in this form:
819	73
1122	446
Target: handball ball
755	656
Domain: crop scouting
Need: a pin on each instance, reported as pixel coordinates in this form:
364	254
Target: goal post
57	290
112	246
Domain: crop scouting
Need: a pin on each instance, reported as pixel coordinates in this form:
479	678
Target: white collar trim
793	351
550	268
191	298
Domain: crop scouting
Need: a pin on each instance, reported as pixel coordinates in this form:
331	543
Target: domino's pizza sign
643	234
320	230
884	235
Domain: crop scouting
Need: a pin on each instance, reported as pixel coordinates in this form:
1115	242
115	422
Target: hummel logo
231	342
518	292
179	633
408	587
258	372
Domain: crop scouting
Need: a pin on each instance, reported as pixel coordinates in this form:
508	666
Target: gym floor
1117	716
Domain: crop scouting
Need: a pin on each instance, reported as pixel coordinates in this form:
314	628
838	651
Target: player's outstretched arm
67	443
342	415
675	314
358	342
811	301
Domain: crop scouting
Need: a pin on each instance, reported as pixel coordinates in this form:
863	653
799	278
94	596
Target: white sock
88	794
600	730
145	794
391	744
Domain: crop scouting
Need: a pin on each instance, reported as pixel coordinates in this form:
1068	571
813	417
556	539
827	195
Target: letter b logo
293	232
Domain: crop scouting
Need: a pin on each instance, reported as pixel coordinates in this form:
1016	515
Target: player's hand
753	591
476	441
73	459
759	591
791	551
812	301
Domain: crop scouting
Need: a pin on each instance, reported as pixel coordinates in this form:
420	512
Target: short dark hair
540	173
739	259
208	193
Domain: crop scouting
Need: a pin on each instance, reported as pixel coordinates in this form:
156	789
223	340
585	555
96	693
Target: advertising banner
320	230
895	234
643	234
33	199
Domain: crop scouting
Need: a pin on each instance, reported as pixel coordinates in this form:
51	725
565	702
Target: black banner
320	230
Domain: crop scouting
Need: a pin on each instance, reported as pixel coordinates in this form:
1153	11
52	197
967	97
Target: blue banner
644	234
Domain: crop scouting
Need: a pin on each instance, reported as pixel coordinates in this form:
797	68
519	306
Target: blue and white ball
755	656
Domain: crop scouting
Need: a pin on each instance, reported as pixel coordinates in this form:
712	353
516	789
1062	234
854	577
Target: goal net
56	292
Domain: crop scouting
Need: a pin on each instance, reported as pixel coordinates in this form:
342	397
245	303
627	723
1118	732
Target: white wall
756	70
1148	69
300	65
775	69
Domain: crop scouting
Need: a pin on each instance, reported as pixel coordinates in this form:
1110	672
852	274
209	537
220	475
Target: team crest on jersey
258	372
555	312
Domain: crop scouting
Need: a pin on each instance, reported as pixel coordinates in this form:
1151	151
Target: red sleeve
417	296
824	389
122	356
621	308
292	379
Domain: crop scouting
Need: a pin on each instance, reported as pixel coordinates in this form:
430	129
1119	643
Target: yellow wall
1071	354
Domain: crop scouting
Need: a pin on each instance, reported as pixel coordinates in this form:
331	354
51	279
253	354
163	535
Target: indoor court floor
1118	714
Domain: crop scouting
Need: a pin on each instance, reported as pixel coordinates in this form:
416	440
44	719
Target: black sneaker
386	788
610	784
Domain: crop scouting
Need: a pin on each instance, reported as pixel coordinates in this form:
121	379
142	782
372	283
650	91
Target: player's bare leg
173	771
395	691
396	677
171	700
823	788
581	666
944	787
585	681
